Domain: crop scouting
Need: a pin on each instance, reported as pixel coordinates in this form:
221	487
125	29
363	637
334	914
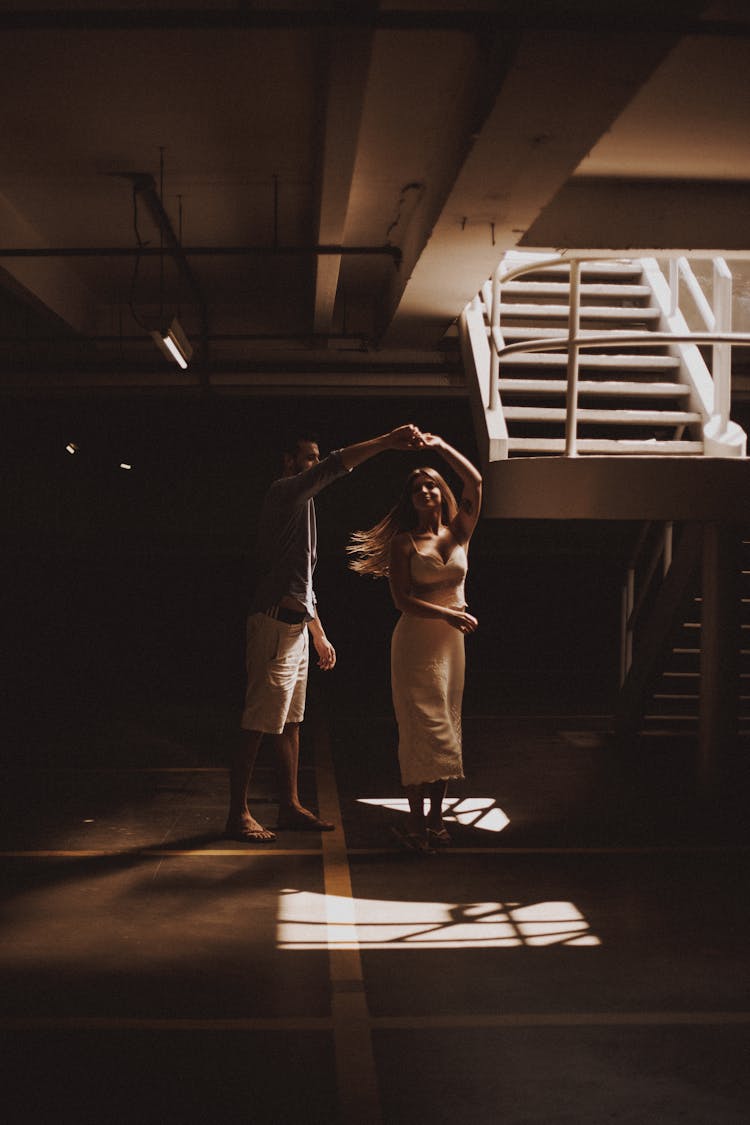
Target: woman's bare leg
415	797
436	792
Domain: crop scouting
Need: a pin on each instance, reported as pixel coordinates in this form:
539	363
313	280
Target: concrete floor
586	962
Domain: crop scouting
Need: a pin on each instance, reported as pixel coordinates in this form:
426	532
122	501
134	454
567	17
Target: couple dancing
421	547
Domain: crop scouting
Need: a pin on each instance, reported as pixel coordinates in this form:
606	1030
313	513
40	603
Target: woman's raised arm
471	495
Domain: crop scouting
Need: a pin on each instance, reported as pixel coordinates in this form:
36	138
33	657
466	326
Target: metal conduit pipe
145	185
474	22
393	252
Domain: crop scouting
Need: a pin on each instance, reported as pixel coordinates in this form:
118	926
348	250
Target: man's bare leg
292	814
241	824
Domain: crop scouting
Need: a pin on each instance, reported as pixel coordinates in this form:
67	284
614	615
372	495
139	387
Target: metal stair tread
587	289
515	333
591	359
603	267
587	387
588	416
646	447
587	312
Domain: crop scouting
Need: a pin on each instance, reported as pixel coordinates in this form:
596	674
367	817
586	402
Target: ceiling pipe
464	20
393	252
145	186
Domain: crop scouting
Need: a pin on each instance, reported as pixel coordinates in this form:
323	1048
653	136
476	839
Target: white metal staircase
630	401
595	395
662	658
601	349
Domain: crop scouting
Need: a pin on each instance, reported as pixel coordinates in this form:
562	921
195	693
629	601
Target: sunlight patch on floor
317	921
476	812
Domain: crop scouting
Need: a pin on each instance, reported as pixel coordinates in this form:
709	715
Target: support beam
41	281
347	70
648	217
563	92
720	645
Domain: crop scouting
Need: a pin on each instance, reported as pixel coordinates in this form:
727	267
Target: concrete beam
561	94
645	217
48	282
348	67
618	488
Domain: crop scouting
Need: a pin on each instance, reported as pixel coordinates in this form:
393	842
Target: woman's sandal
412	841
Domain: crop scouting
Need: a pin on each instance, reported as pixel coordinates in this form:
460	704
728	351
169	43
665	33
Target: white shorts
277	660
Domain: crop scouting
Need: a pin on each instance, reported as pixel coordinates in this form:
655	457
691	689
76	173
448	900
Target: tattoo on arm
467	506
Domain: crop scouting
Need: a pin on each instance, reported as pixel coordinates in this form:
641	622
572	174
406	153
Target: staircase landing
618	488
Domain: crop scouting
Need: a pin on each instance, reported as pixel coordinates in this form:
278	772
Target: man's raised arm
403	437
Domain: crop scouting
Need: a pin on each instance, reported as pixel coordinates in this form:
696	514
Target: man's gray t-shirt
287	536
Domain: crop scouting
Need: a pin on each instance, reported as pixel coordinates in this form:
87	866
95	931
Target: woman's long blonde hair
369	551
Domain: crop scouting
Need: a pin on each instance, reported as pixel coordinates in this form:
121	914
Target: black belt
288	616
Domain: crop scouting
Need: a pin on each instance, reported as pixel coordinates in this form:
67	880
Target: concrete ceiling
342	177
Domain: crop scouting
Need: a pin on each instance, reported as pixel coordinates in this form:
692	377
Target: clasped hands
411	437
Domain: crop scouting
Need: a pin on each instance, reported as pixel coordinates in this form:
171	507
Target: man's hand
325	650
405	437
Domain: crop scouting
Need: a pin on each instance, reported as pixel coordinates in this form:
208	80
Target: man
282	612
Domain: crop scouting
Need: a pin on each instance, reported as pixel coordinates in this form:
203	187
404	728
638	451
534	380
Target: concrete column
719	663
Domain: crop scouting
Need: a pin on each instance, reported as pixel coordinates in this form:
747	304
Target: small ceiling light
72	447
174	344
124	465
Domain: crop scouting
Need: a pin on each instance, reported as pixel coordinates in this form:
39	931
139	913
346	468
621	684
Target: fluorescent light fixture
71	447
174	343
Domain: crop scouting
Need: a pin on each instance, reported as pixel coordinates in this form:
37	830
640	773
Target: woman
421	546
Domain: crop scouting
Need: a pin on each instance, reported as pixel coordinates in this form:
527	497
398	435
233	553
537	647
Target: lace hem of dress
432	780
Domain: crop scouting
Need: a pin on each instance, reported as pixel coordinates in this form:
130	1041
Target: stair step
562	289
676	695
587	312
670	718
607	417
601	269
514	333
592	359
647	447
624	389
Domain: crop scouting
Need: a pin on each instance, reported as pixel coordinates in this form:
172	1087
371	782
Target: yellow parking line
359	1098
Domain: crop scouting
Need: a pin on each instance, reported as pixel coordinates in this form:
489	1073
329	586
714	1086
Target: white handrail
494	403
571	406
631	339
683	268
722	354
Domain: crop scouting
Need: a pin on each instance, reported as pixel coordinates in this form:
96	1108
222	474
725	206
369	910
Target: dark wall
131	584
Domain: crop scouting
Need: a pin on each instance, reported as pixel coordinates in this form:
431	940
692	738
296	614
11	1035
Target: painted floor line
141	769
560	1019
268	852
500	850
359	1096
138	853
147	1023
378	1023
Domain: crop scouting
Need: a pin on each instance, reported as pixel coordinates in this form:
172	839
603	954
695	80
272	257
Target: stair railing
718	334
717	319
640	584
